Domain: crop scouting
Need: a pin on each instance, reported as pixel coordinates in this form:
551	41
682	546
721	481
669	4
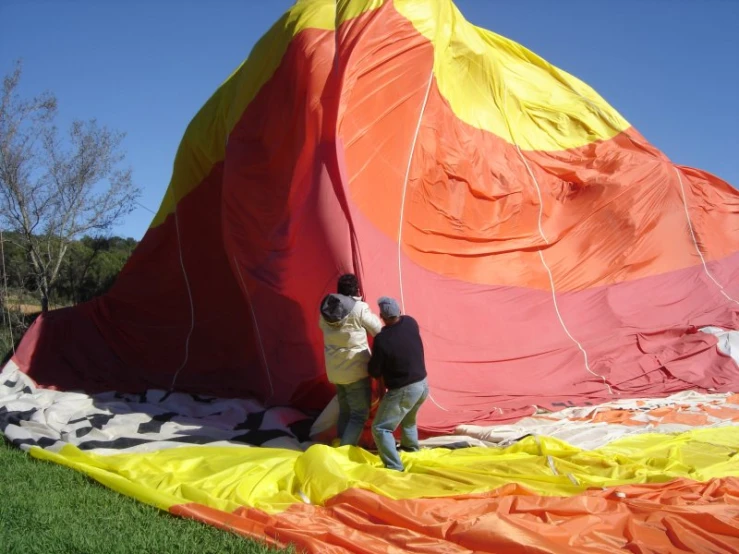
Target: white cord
695	241
541	254
405	187
402	205
192	303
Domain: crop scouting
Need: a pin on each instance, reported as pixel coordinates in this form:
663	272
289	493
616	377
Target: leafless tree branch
55	189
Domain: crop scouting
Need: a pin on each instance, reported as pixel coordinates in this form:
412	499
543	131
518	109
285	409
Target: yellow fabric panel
497	85
204	142
273	479
539	108
349	9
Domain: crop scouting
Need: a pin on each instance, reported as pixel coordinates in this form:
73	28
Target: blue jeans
398	407
354	409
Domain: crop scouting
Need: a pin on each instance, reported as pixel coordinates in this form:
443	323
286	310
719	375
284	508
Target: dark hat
388	307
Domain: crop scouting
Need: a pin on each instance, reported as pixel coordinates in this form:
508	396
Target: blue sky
145	67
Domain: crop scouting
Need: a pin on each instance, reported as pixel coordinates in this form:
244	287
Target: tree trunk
44	294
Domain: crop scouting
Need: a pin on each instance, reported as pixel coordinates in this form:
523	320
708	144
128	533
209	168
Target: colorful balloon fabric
570	282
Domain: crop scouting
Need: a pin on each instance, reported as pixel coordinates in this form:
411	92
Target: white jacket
345	322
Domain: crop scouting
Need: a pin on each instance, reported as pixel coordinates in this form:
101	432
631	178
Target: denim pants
398	407
354	408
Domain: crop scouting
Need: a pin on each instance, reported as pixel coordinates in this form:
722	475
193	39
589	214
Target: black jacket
397	354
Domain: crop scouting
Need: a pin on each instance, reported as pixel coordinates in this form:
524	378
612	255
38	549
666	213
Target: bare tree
52	189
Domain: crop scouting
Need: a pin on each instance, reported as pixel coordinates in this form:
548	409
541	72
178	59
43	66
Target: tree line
89	269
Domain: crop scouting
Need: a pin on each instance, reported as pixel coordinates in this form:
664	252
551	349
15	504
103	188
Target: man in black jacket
397	357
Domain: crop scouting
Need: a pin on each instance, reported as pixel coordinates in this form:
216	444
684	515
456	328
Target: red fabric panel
480	340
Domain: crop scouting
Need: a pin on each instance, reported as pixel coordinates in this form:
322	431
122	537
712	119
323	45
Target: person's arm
374	368
370	322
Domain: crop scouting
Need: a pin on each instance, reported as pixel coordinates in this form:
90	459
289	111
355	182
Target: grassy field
49	509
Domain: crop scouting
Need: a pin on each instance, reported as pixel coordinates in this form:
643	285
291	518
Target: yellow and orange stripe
540	493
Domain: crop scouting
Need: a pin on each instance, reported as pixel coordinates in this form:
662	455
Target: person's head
389	310
348	285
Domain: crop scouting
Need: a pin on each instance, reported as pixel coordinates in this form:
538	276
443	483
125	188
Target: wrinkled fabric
552	256
549	253
273	479
677	517
187	454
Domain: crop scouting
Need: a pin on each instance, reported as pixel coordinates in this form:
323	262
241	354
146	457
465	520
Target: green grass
46	508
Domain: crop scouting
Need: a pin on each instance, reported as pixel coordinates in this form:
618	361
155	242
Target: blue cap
388	307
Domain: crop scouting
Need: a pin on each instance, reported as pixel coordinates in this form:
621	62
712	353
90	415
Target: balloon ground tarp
577	292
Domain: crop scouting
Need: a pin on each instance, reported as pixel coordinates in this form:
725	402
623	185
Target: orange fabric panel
697	416
622	417
672	414
722	412
486	230
476	207
679	516
223	520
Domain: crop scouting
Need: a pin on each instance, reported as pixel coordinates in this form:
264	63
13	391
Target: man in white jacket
345	321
